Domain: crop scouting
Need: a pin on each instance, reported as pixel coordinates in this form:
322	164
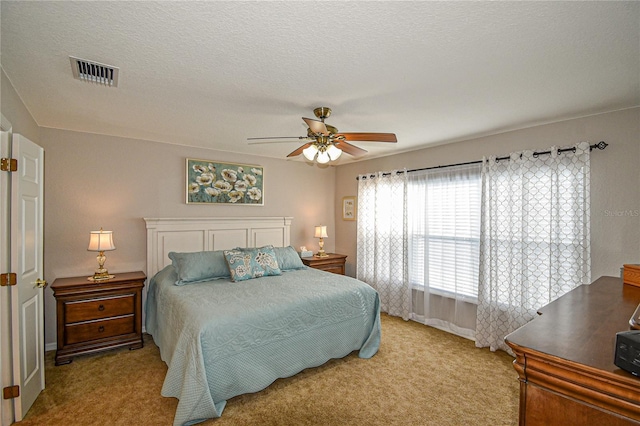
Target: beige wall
94	181
14	110
615	179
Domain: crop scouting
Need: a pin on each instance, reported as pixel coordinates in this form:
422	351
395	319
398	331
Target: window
444	230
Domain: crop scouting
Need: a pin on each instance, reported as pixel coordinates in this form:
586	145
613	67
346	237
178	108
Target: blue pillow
199	266
288	258
245	264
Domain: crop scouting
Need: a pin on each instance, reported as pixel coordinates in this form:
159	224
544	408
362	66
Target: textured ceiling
212	74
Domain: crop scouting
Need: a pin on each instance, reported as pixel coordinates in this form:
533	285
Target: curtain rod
600	145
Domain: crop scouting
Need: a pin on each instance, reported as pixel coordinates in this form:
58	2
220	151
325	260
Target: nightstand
332	263
97	316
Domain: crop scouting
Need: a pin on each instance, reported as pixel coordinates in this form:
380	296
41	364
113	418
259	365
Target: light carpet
420	376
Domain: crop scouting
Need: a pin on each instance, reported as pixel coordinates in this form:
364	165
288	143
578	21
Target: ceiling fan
326	142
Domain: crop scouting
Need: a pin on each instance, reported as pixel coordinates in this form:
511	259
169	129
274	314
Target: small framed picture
349	208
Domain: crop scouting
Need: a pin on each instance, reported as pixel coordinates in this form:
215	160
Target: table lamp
321	232
101	241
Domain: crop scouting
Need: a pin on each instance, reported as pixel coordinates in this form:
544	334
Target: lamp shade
321	231
101	241
323	157
334	152
310	152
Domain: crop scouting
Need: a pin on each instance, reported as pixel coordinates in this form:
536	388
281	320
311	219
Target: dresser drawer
86	310
93	330
336	269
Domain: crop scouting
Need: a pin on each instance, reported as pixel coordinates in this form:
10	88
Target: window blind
444	230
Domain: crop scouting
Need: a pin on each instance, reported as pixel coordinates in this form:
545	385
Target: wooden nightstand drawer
97	316
330	263
334	269
93	330
85	310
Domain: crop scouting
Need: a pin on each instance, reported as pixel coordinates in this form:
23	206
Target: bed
223	334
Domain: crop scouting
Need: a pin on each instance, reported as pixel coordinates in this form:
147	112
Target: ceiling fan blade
299	150
350	149
369	137
278	137
268	142
316	126
274	139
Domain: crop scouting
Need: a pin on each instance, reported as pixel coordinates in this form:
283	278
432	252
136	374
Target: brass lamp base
321	252
101	274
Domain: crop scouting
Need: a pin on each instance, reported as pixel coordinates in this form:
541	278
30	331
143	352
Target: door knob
40	283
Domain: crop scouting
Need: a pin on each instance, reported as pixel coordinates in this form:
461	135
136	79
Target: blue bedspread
221	339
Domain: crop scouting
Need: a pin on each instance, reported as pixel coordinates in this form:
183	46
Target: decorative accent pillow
199	266
288	258
245	264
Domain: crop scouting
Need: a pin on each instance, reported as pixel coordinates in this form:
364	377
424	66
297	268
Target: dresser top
329	256
83	281
581	326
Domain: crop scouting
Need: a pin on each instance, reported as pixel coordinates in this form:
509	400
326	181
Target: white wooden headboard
204	234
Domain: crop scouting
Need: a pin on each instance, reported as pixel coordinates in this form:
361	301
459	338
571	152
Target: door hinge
11	392
8	278
8	164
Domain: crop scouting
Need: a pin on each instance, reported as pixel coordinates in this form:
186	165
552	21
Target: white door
27	189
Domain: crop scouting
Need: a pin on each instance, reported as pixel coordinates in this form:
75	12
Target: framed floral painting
213	182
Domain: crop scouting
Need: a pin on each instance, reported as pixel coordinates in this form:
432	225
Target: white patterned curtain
382	247
534	238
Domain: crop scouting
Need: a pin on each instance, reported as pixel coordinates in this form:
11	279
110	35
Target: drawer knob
101	308
101	328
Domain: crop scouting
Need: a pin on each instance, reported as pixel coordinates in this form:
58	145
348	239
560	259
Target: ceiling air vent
94	72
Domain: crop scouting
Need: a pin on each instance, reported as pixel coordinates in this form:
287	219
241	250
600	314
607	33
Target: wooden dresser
96	316
332	263
564	359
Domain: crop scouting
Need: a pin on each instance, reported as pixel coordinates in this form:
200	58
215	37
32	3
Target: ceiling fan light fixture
310	152
334	152
323	157
324	143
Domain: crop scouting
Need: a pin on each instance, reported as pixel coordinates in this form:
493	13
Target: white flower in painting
240	170
194	188
240	186
212	168
214	192
235	196
250	179
254	193
223	186
257	171
205	179
199	168
229	175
